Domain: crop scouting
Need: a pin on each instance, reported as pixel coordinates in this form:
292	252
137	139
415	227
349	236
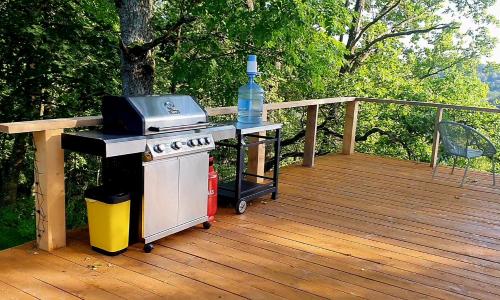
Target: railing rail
430	104
50	156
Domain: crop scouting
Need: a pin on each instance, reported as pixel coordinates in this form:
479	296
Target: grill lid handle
179	128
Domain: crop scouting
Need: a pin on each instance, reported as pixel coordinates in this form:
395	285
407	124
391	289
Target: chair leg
465	173
436	168
454	164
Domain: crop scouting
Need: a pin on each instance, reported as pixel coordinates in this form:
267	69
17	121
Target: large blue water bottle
250	96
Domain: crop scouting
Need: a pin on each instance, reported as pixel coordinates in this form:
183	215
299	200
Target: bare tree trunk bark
341	37
355	24
138	68
352	33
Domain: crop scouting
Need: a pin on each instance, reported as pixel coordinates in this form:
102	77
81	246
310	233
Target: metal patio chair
459	140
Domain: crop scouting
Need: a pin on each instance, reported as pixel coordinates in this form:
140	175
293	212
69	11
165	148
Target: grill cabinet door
161	195
193	187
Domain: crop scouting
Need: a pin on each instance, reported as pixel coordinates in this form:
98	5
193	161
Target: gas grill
156	148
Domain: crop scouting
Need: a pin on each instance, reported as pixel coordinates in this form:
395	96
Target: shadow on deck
352	227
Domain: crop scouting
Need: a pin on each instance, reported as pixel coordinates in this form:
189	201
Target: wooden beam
429	104
310	140
228	110
49	124
435	142
303	103
220	111
350	124
39	125
257	156
49	184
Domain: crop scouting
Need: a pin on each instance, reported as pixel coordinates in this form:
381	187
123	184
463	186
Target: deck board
352	227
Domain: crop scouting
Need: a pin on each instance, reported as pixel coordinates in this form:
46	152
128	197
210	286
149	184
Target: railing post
49	185
435	142
310	142
257	156
350	124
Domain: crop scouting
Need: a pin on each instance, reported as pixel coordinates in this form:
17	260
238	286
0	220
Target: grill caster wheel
207	225
148	248
241	207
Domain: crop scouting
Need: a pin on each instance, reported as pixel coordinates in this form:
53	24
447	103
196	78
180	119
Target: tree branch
429	73
301	134
409	19
400	33
355	23
322	127
382	14
169	36
359	138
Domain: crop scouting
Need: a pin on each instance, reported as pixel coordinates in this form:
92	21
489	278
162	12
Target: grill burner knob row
193	142
160	148
176	145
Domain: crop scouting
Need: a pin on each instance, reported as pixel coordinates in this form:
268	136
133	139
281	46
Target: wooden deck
352	227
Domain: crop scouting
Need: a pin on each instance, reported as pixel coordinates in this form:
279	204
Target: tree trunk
352	34
137	68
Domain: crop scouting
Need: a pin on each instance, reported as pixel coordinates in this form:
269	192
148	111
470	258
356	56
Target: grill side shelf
104	145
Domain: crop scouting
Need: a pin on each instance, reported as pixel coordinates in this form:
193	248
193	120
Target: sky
468	24
495	31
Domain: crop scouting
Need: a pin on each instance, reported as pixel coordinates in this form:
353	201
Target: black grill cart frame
240	191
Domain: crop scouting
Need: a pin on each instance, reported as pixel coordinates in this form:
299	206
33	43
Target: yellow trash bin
108	218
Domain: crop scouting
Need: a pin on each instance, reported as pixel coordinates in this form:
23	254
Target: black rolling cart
240	191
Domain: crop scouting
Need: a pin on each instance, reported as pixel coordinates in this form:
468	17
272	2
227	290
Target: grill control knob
207	141
176	145
201	141
194	142
160	148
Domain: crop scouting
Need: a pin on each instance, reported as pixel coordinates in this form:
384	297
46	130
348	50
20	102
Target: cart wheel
148	247
241	206
207	225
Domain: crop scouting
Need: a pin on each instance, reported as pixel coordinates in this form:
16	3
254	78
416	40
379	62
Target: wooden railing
50	156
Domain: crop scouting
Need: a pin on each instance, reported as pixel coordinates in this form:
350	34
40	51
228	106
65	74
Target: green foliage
17	223
57	58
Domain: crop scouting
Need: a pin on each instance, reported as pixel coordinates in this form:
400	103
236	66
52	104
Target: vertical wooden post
435	143
310	142
350	124
257	156
49	184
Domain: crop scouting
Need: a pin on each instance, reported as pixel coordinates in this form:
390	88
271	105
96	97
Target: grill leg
465	173
454	164
240	157
277	156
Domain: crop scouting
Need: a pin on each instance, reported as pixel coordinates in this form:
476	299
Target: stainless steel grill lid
152	114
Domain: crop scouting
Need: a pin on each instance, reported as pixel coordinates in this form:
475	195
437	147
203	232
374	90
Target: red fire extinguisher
213	179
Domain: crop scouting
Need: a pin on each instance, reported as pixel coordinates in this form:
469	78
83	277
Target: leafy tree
57	58
406	50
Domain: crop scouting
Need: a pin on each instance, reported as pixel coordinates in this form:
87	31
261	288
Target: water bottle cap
252	65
